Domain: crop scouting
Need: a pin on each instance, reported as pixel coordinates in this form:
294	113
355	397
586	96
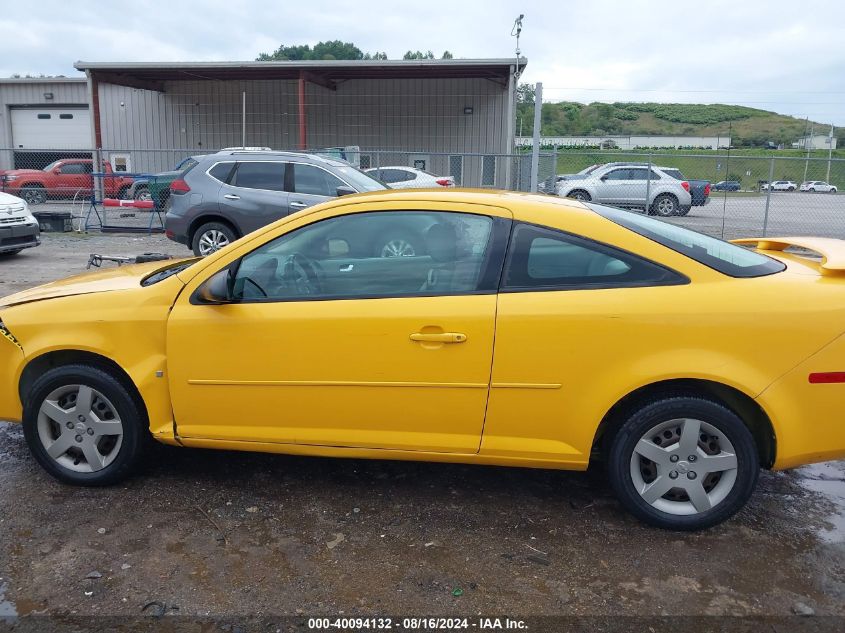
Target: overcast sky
769	54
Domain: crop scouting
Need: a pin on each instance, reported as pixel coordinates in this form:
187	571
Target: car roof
272	155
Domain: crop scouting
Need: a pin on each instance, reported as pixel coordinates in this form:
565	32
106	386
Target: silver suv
233	192
630	186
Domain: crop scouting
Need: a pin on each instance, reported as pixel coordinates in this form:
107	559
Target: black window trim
604	248
489	279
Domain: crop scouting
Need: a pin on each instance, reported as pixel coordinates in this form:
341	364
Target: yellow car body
531	385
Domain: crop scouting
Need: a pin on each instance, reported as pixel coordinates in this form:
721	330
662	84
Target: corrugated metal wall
401	115
29	92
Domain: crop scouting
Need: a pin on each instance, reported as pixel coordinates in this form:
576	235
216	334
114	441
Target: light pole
829	153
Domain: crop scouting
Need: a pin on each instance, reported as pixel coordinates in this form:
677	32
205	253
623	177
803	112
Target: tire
397	245
142	193
833	190
790	188
580	195
665	205
50	409
665	420
33	194
211	237
121	193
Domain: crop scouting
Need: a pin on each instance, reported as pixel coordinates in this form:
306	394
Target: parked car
157	186
235	192
66	178
400	177
699	189
779	185
817	185
628	186
18	227
287	343
727	185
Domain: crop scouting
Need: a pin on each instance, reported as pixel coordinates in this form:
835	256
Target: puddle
828	479
8	609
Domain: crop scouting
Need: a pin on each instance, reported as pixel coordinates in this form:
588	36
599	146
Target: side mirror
345	191
603	178
215	289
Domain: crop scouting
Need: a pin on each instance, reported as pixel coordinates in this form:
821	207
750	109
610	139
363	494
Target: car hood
8	199
118	278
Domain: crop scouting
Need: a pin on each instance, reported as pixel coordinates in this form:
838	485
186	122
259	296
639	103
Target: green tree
447	55
418	55
334	49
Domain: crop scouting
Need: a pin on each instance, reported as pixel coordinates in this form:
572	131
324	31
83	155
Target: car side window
265	175
618	174
374	255
312	180
73	168
545	259
221	171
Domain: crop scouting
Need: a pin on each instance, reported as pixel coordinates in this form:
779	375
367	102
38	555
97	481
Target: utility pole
535	150
829	153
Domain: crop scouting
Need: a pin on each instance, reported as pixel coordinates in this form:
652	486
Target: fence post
768	196
553	181
535	149
648	184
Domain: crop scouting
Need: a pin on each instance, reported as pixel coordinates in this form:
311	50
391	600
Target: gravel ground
231	534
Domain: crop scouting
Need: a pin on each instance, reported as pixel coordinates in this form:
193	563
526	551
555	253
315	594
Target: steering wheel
301	274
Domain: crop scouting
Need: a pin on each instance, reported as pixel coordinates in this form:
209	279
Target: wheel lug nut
691	475
81	418
692	458
674	458
70	425
90	431
78	438
673	474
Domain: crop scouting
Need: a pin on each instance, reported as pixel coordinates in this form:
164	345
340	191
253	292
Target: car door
310	184
252	193
325	345
73	178
612	187
572	314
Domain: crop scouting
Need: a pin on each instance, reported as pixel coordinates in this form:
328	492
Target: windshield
725	257
358	179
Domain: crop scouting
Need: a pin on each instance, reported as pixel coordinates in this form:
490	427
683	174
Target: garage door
51	128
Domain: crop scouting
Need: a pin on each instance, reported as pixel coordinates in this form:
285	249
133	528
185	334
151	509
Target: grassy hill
750	127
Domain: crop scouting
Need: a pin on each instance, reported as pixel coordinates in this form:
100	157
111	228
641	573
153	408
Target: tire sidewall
133	423
211	226
683	407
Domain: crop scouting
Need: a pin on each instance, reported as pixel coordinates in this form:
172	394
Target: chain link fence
726	194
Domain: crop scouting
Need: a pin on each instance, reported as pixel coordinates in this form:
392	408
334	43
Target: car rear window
674	173
722	256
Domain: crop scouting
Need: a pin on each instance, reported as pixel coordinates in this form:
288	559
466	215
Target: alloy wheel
398	248
683	466
79	428
212	241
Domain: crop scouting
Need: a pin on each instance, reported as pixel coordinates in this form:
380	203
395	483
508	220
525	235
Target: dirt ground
228	534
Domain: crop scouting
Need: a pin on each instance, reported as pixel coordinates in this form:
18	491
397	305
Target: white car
780	185
18	227
399	177
817	185
628	185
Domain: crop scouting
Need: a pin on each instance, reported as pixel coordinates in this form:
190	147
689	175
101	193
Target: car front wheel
683	463
83	426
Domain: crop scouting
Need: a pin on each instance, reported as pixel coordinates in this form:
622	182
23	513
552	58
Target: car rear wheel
665	205
683	463
580	195
34	194
211	237
83	426
396	245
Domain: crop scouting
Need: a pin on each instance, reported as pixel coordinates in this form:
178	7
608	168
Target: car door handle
439	337
298	205
346	269
231	196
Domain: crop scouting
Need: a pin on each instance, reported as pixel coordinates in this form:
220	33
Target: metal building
42	120
452	117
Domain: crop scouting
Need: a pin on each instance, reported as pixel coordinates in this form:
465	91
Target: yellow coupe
514	329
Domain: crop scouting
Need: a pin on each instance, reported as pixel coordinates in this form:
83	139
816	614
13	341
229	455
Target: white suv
629	186
18	227
780	185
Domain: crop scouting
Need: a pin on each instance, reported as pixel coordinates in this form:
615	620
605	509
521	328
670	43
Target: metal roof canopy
327	73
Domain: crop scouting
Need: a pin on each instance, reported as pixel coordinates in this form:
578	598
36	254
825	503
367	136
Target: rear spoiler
832	251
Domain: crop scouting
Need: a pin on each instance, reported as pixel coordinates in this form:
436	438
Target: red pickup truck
67	178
